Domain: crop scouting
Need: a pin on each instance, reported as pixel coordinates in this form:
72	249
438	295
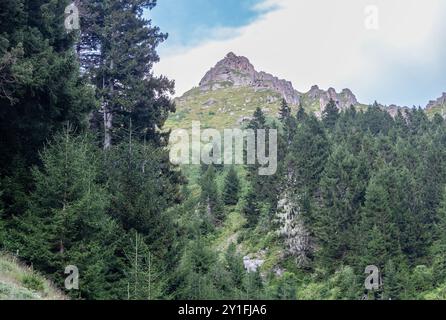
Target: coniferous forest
86	179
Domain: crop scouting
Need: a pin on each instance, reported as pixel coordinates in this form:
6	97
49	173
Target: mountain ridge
232	89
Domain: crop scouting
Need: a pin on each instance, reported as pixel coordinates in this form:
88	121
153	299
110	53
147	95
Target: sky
391	51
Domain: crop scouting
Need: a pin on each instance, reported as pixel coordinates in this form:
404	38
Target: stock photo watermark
373	281
209	147
72	18
371	21
72	281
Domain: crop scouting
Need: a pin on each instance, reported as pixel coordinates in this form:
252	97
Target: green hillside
223	108
18	282
231	107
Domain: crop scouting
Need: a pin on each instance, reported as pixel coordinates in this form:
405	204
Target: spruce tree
41	88
210	197
193	272
232	188
301	114
330	115
118	51
143	189
145	279
251	210
439	246
392	286
343	186
308	154
284	111
378	229
235	264
258	121
67	222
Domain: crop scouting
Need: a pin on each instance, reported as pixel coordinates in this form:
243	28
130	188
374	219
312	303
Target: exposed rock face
239	72
253	263
343	100
440	102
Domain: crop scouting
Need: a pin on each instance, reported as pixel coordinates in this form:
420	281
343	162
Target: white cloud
325	42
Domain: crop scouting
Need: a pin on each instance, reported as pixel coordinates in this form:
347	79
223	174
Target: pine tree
66	223
193	272
301	114
439	246
253	286
392	286
210	197
251	210
145	280
40	85
308	154
378	229
284	111
118	50
258	121
235	264
342	192
232	188
261	185
287	287
143	188
330	115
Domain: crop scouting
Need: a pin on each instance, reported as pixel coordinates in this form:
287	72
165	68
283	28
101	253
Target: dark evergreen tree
211	202
258	121
343	186
145	279
231	191
143	190
439	246
392	285
118	50
301	114
193	274
284	111
235	265
66	223
331	114
378	230
40	89
250	210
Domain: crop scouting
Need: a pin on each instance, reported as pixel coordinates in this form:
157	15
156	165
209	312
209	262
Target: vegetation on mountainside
18	282
86	178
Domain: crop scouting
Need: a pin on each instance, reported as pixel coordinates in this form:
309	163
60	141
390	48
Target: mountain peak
237	71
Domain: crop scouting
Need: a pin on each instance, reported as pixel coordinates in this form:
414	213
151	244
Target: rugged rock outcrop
439	103
343	100
237	71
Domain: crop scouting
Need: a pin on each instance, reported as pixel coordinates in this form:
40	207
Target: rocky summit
237	71
437	106
343	100
229	93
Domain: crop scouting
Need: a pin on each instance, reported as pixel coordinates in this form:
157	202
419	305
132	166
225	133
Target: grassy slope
18	282
224	108
439	109
221	108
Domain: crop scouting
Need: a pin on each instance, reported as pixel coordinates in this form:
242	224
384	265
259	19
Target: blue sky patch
190	22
